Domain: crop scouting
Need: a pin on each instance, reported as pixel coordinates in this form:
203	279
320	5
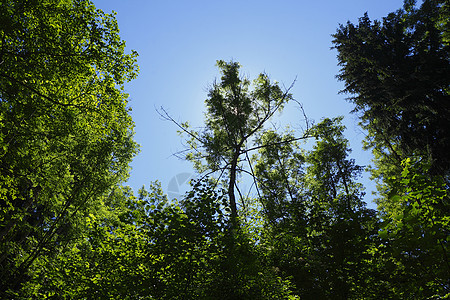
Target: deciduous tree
237	112
319	230
65	131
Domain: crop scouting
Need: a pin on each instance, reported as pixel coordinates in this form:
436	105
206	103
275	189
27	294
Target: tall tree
319	230
398	74
236	113
65	131
340	224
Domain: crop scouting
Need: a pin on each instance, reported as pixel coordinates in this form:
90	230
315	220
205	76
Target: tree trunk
231	186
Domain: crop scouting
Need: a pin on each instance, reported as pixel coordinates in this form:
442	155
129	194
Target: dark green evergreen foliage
65	132
398	74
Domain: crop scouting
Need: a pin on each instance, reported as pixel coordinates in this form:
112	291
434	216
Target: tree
236	113
341	225
319	231
65	131
398	74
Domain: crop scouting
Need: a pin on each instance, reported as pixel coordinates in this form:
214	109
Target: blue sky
179	42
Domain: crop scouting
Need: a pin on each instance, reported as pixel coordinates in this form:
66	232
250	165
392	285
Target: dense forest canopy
71	229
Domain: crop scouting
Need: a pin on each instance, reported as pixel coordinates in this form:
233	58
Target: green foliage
65	131
236	113
69	230
397	73
318	232
110	257
416	229
164	251
235	269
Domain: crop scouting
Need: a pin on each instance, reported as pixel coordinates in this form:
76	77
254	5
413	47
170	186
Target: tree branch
165	115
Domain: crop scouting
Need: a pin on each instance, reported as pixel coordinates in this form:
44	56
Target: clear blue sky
179	42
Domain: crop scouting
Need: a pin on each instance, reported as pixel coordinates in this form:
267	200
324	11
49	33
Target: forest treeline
71	229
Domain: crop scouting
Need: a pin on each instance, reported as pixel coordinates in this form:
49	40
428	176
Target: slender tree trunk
231	186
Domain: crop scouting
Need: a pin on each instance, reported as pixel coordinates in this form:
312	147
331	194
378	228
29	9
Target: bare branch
165	116
304	115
